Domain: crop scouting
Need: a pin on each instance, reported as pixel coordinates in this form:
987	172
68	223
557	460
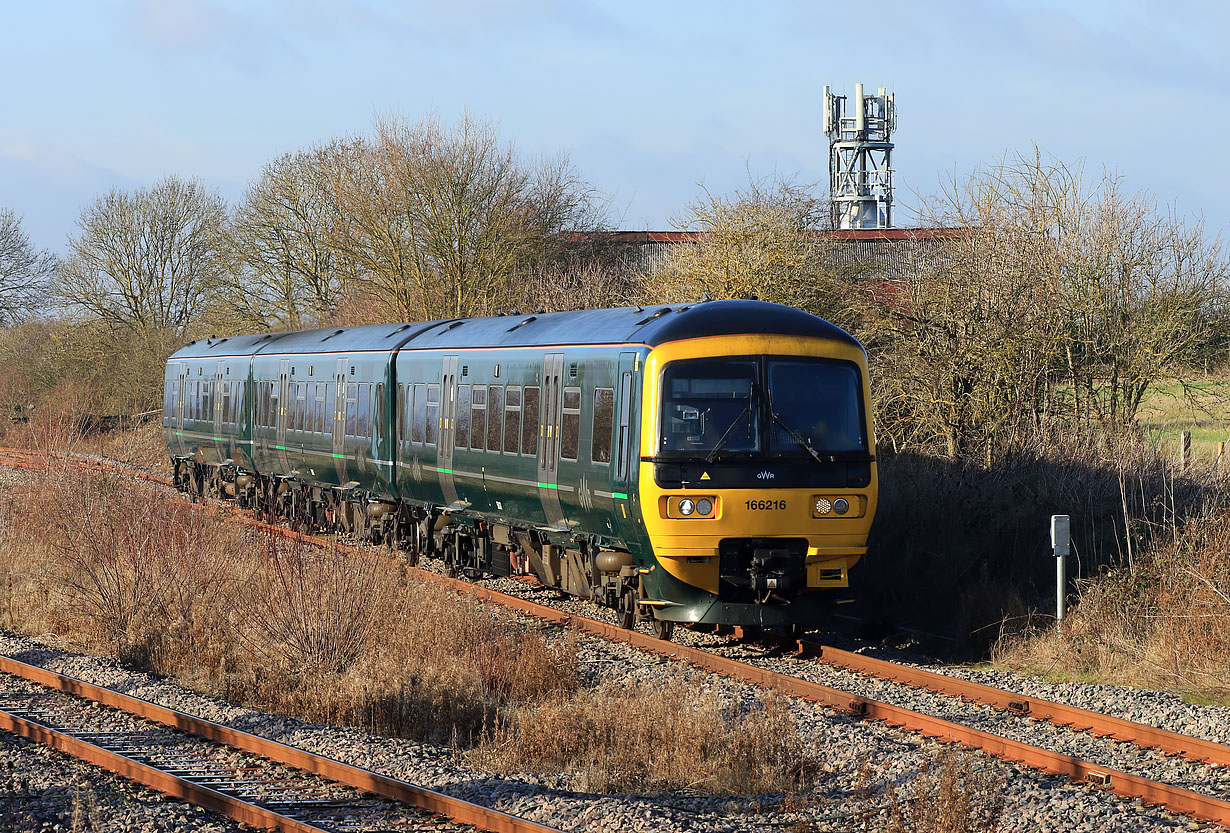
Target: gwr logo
765	475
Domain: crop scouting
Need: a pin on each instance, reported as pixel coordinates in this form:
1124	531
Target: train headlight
830	506
693	507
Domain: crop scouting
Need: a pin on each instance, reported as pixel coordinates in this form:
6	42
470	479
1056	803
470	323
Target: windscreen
761	405
708	404
815	403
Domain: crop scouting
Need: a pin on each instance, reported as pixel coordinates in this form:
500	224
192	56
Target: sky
648	99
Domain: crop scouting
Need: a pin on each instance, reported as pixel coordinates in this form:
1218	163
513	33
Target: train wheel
627	610
662	629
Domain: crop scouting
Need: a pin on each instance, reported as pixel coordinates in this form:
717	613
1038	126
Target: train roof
651	326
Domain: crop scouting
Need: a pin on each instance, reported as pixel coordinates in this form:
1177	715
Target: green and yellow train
706	463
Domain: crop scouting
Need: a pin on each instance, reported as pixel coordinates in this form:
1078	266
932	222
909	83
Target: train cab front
757	480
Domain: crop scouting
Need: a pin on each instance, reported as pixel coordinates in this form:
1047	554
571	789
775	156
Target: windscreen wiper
726	434
793	434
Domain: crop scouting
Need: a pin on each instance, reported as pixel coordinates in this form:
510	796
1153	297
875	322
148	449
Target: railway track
250	779
1014	706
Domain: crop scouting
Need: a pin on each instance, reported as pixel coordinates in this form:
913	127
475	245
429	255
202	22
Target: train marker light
704	506
823	507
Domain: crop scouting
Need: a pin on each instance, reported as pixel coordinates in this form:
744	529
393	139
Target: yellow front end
687	545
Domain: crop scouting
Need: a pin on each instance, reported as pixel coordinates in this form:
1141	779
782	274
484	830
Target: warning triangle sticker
705	476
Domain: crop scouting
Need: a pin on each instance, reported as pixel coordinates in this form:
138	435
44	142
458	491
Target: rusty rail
1121	783
457	809
1104	725
233	808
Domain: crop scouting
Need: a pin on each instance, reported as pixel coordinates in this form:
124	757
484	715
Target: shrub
661	734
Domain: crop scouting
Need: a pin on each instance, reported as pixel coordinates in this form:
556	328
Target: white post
1060	537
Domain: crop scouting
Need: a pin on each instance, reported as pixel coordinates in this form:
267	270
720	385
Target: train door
625	456
181	391
448	430
548	440
283	402
339	420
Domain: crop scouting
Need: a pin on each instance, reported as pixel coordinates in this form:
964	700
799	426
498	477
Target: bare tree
145	260
762	240
1059	304
441	220
289	272
25	273
1139	287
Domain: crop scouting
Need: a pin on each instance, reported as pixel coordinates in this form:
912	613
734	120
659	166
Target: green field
1167	412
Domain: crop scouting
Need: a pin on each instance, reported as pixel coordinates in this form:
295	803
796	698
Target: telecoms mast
860	157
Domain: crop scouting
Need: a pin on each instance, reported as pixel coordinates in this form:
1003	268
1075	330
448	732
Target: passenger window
431	414
495	410
418	422
301	406
379	409
322	407
570	424
399	406
529	422
512	420
463	416
364	420
207	401
352	396
478	422
604	420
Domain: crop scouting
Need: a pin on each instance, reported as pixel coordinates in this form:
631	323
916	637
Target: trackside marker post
1060	538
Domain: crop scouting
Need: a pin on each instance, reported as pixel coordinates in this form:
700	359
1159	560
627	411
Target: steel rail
1121	783
1103	725
166	783
459	810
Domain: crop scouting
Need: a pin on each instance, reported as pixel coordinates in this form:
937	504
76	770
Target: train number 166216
765	504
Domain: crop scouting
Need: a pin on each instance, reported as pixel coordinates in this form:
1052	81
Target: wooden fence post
1185	451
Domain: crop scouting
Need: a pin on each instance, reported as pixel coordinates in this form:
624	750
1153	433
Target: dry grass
953	793
331	636
352	638
664	734
1162	623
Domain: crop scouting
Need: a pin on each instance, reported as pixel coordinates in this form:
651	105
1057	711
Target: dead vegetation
1161	622
331	636
656	734
953	793
352	638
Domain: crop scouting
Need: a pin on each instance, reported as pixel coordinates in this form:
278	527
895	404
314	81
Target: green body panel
208	414
503	486
328	426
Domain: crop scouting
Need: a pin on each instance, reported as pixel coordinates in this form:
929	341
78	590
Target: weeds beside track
1122	783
